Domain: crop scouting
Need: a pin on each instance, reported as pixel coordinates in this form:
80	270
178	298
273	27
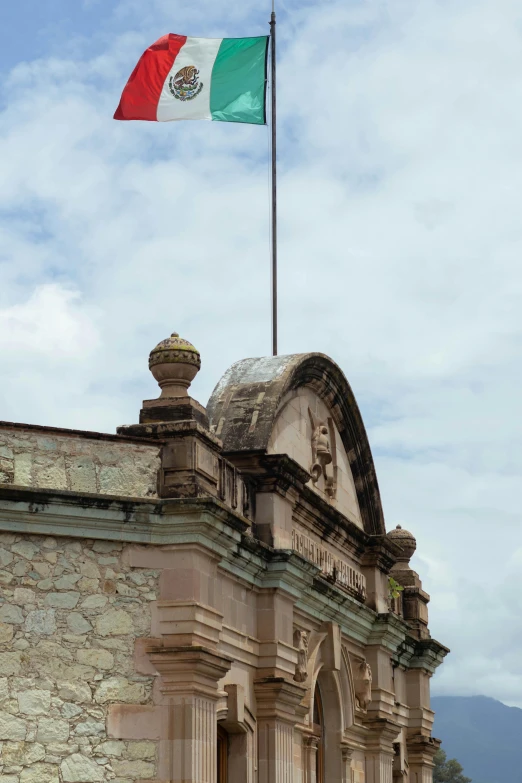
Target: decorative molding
170	521
338	570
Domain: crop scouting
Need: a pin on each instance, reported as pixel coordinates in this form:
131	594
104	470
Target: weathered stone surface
6	632
106	546
62	600
80	769
114	622
75	691
89	728
10	663
111	748
118	689
12	728
23	596
6	557
4	689
66	646
44	569
20	753
33	702
94	602
142	750
11	614
134	769
70	710
100	659
25	549
52	730
90	570
88	585
77	623
40	773
12	753
67	581
41	621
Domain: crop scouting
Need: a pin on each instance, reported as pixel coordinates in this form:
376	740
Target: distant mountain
483	735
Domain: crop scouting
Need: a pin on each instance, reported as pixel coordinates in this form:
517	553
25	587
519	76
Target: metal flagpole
274	179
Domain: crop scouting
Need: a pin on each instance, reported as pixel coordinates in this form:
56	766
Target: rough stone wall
69	614
32	458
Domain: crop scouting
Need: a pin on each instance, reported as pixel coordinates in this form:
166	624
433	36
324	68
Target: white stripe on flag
202	53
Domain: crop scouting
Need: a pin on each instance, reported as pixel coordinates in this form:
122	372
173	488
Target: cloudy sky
400	247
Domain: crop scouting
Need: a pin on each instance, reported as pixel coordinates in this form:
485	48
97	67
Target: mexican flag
180	78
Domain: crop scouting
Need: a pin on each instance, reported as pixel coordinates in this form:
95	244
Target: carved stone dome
174	363
405	540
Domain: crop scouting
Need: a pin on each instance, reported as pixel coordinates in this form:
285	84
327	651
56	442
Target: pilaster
346	760
379	749
421	750
310	747
189	689
277	700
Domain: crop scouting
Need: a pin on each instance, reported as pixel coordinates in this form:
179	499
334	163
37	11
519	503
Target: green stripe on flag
238	86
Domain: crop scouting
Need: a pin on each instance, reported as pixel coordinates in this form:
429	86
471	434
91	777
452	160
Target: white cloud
50	325
400	241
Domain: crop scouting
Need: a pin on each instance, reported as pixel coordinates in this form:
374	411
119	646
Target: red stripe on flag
140	98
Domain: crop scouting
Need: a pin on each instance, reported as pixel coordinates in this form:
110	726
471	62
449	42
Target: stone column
277	700
189	679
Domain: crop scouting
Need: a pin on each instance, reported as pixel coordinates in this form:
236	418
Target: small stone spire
174	363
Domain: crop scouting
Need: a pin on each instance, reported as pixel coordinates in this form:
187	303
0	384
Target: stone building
205	597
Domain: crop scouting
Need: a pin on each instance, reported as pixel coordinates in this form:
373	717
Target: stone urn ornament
174	363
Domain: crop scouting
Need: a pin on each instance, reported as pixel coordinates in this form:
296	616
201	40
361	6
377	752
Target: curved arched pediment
247	411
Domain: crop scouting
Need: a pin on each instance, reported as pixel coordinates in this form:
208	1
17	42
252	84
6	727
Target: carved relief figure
301	642
322	453
363	685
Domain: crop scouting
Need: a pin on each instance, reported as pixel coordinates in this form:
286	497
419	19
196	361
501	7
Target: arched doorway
222	755
318	728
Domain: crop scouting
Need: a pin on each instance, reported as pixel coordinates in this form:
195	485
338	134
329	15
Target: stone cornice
266	568
39	429
170	430
271	472
199	520
277	698
428	655
326	601
380	553
389	632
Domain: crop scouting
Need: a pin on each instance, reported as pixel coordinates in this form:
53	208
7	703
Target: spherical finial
174	363
405	540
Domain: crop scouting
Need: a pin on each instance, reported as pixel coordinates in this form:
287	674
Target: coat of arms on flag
226	75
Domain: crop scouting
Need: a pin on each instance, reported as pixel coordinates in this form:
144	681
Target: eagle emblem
185	85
